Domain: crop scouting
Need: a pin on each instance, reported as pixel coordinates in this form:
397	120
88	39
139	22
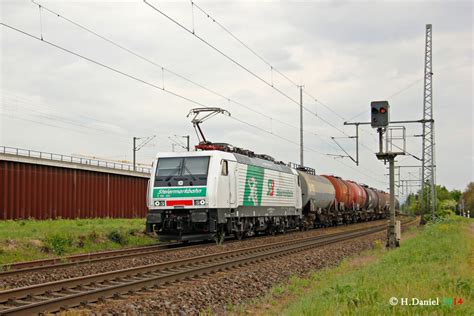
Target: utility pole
301	126
187	142
134	152
137	148
357	144
400	182
187	147
356	160
428	199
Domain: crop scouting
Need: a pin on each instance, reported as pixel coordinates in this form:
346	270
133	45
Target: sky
344	53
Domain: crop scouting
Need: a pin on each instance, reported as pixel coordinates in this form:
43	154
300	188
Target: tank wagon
318	200
231	191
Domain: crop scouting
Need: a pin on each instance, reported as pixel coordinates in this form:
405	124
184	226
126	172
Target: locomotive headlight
159	203
200	202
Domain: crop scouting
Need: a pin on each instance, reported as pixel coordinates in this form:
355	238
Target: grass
22	240
436	262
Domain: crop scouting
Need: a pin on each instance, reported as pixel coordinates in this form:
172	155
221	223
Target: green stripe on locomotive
267	187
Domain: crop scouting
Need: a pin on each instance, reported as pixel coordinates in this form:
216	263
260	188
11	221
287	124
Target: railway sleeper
88	288
71	291
19	302
86	304
118	296
41	298
102	285
246	260
56	294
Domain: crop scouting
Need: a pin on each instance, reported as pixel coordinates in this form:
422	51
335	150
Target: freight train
224	190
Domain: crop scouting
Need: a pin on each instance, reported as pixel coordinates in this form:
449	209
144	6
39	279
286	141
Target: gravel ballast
216	292
37	277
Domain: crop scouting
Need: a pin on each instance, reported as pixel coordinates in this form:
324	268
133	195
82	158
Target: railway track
94	257
54	263
64	294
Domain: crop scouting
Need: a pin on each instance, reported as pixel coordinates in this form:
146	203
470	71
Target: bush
440	215
134	232
81	242
93	236
58	243
118	237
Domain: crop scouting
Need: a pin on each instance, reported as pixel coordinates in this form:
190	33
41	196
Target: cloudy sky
345	53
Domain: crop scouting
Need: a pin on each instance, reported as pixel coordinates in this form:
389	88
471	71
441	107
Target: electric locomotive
225	190
202	194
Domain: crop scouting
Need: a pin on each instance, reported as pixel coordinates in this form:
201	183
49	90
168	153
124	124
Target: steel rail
74	258
61	262
94	257
68	293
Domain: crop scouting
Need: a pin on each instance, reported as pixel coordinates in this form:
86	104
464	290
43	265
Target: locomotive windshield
169	166
186	170
195	165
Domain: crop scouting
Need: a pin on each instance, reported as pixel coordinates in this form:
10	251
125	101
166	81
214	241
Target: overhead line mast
428	173
301	127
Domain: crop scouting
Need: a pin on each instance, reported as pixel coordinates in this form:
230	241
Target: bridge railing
66	158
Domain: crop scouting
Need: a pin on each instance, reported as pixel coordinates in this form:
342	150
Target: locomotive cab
205	194
185	192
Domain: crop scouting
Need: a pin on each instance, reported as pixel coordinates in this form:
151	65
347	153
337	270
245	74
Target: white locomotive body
198	195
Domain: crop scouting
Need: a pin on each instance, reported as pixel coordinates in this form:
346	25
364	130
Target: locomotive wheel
239	235
272	231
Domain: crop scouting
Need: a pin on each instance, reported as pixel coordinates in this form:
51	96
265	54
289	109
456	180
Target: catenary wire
162	89
240	65
243	44
323	104
266	62
55	13
221	53
34	106
272	67
161	67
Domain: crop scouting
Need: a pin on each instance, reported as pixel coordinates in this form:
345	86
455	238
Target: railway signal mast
428	166
380	119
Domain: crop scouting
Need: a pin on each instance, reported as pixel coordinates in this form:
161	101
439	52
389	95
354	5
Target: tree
456	195
446	201
468	197
442	193
412	204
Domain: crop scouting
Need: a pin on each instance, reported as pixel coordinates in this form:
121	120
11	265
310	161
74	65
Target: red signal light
382	110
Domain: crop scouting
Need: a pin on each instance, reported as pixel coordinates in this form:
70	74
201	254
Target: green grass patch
436	263
23	240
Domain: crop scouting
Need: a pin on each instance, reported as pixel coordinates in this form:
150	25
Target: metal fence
32	190
71	159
